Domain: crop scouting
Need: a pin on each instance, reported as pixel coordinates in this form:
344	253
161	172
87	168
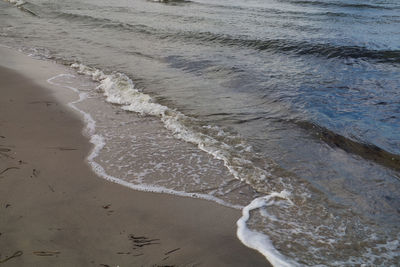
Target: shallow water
299	97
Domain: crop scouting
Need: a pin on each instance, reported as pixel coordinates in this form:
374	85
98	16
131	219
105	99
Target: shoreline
56	211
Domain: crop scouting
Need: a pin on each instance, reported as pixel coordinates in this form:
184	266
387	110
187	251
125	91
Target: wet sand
54	211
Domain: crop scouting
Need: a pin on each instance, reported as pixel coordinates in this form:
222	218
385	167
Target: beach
55	211
193	131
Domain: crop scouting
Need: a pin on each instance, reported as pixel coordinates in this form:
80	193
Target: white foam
99	143
20	5
16	2
90	123
119	89
259	241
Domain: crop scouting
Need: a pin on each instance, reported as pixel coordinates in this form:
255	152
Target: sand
54	210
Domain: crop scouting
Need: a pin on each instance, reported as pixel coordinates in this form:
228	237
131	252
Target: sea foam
257	240
20	4
16	2
118	88
98	142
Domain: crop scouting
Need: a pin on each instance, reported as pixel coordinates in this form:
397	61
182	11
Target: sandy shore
54	211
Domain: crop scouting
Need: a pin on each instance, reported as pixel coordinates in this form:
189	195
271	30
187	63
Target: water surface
293	96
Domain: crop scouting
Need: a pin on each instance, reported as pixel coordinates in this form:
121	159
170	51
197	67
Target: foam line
119	89
98	144
258	241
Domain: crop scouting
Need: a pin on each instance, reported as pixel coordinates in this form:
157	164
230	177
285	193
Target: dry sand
54	211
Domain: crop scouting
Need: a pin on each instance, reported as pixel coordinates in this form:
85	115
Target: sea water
286	109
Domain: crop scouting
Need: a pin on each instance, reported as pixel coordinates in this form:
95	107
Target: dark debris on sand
141	241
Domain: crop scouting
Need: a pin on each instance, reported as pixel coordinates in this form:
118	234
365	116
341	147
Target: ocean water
286	109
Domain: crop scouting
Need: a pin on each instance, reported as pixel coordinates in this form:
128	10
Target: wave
287	46
336	4
258	241
309	231
296	47
98	144
105	23
172	2
237	155
284	12
367	151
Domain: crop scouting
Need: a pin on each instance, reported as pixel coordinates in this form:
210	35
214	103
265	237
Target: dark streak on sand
63	148
141	241
171	251
9	168
46	253
48	103
16	254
